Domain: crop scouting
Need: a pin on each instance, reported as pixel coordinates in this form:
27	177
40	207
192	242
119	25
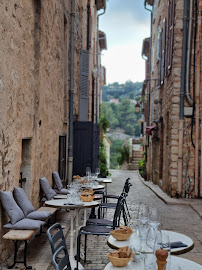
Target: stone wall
35	87
163	153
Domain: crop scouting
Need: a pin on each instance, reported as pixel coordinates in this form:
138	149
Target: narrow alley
179	217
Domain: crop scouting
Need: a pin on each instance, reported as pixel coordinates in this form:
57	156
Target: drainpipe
97	81
149	84
71	101
189	53
182	92
88	25
198	187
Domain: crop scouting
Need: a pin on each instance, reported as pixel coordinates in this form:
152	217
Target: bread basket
121	236
87	191
87	198
120	262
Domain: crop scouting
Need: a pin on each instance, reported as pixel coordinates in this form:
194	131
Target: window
84	85
170	32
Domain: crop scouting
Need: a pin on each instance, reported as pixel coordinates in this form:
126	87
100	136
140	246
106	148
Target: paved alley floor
176	216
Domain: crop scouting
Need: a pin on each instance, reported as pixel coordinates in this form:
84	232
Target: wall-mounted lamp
137	107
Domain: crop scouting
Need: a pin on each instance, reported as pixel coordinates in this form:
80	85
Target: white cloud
126	24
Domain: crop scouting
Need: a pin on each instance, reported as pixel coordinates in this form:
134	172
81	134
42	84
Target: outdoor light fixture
137	107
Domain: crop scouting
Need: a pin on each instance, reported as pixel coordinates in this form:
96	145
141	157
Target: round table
183	263
62	203
174	237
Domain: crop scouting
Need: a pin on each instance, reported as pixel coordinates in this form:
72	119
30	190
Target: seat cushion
57	180
49	192
62	191
23	201
39	215
25	224
10	206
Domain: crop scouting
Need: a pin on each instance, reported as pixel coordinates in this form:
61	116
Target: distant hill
128	90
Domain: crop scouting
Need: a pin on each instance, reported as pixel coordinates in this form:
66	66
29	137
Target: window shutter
171	16
84	85
159	59
163	51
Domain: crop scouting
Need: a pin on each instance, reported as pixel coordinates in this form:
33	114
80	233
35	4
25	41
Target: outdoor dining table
183	263
173	236
104	181
62	203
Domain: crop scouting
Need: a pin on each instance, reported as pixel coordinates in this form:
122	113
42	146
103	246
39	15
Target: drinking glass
162	241
149	262
143	213
136	245
154	218
97	172
151	236
88	172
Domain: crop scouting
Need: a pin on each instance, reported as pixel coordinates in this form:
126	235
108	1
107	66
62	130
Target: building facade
171	97
49	54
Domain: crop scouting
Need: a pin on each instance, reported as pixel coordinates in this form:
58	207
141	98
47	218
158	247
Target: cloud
126	24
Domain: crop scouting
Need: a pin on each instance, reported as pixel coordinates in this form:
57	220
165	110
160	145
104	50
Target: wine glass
136	245
97	172
154	218
88	172
162	241
151	236
143	213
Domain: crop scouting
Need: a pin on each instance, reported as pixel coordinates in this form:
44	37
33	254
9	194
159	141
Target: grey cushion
49	192
62	191
39	215
12	209
25	224
22	200
57	180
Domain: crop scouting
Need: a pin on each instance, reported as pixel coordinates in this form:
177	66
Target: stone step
133	166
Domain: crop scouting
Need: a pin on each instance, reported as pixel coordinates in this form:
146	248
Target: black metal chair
61	263
99	230
105	205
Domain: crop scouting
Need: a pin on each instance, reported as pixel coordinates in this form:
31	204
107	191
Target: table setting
151	247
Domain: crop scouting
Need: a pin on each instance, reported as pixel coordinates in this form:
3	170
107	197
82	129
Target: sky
126	23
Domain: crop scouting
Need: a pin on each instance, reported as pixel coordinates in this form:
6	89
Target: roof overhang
102	40
100	4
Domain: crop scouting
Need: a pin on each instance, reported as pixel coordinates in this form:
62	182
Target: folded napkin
176	245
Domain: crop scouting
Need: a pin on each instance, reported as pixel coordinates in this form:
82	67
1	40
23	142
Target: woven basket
87	192
121	236
120	262
87	198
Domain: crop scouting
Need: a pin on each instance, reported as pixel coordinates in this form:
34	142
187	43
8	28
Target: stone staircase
135	155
